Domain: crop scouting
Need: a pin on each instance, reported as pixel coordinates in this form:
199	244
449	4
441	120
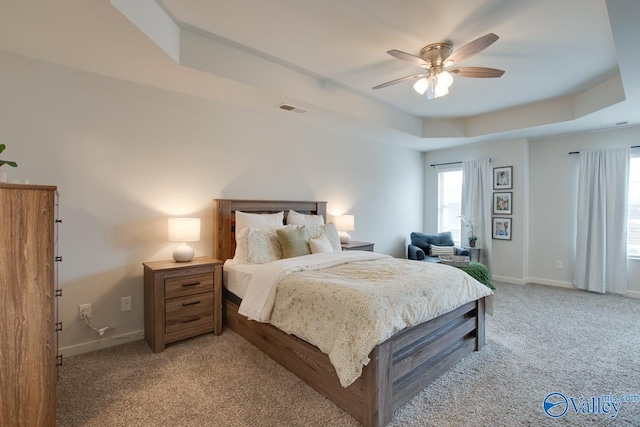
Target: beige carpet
540	340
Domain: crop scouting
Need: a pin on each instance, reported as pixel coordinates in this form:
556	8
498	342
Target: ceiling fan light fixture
440	91
445	79
431	89
421	85
437	85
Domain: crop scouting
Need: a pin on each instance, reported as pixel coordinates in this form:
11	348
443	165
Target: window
449	202
633	218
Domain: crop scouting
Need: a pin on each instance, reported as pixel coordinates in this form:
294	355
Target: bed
399	367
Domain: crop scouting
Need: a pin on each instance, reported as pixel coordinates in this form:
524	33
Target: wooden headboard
224	219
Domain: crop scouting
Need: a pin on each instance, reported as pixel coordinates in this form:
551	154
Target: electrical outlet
125	304
84	308
559	265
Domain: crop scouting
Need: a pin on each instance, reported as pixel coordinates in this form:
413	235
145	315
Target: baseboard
568	285
101	343
511	280
556	283
633	294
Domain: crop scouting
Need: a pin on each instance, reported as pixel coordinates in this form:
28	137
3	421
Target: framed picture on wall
503	178
502	203
502	228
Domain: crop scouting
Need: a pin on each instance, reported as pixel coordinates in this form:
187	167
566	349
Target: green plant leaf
6	162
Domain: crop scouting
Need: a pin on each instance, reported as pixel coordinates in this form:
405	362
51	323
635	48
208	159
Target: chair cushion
424	241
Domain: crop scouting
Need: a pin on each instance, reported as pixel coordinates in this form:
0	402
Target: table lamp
183	230
343	224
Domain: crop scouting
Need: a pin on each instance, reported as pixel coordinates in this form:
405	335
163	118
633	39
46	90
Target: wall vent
292	108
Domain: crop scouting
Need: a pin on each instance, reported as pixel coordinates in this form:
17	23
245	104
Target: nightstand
357	246
476	249
181	300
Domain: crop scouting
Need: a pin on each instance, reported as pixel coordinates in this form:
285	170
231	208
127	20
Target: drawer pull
184	304
193	319
186	285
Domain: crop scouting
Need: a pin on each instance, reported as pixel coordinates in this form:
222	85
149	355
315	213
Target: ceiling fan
439	63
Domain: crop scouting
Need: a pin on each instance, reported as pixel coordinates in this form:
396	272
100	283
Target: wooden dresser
27	315
181	300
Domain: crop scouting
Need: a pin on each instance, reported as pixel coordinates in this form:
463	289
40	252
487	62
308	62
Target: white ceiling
345	42
571	65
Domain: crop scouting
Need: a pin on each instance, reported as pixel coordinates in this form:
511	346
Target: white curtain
476	203
601	243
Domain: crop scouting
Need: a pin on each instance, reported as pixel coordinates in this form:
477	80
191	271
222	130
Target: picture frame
502	203
501	229
503	178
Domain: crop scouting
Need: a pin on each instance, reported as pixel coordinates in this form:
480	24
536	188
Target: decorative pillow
244	220
263	245
320	245
423	241
441	250
241	253
295	218
329	230
293	242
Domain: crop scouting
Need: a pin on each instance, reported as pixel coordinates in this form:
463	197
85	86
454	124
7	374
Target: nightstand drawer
188	285
189	312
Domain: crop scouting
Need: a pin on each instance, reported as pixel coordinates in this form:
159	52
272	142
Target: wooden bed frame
399	368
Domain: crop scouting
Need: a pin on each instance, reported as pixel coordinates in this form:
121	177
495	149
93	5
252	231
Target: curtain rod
450	163
577	152
443	164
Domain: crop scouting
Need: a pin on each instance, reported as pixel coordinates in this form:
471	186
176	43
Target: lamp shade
344	222
184	229
421	86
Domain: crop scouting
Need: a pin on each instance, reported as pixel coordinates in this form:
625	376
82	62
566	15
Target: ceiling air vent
292	108
614	124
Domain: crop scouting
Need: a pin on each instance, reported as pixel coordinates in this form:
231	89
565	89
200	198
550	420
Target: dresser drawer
187	285
189	312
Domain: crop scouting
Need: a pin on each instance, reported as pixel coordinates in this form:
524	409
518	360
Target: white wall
125	157
553	204
509	261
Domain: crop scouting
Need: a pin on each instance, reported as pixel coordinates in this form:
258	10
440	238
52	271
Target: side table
181	300
477	250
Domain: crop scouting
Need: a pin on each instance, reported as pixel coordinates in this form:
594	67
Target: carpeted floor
540	340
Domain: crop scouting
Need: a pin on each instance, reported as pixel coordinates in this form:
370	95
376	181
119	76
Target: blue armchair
420	244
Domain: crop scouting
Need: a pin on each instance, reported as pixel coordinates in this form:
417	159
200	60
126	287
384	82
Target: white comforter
346	303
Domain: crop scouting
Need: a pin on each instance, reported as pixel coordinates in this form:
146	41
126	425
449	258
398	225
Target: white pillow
263	245
441	250
244	220
329	230
320	245
295	218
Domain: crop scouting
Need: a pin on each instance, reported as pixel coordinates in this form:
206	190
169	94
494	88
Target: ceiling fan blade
408	57
472	48
400	80
482	72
